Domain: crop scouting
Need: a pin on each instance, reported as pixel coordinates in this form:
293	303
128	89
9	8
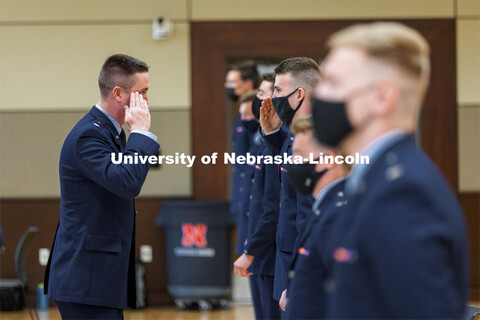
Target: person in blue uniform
310	272
240	79
91	269
295	82
258	258
245	179
403	250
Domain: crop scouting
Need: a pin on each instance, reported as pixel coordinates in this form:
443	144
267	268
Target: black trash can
198	252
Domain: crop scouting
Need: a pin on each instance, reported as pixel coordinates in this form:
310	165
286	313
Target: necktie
123	139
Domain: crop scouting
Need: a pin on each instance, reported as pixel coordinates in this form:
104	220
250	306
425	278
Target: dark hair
248	71
270	77
119	70
304	71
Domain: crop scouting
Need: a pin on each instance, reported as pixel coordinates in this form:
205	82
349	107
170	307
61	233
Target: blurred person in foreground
311	268
403	250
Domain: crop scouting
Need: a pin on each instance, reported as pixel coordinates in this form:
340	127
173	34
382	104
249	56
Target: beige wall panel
468	61
173	130
468	8
469	148
56	67
30	145
318	9
90	10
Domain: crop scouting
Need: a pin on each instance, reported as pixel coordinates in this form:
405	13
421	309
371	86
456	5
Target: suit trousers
76	311
262	293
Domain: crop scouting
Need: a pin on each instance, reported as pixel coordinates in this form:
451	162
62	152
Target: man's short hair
301	125
270	77
394	43
119	70
304	71
249	96
248	71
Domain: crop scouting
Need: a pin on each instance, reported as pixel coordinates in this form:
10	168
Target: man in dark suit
245	179
310	272
258	258
295	82
402	252
91	269
240	79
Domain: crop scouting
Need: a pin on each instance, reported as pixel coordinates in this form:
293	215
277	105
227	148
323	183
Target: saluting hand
137	115
241	265
269	119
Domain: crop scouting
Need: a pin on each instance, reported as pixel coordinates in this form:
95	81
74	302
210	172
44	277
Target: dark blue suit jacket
311	270
92	260
243	194
264	210
294	209
402	251
240	146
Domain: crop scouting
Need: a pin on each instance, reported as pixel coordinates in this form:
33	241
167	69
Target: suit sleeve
275	140
93	152
263	236
407	244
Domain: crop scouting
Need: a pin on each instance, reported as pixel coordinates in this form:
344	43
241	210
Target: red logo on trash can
194	235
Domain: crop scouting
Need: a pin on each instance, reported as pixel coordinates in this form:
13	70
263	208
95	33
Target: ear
117	93
386	95
301	94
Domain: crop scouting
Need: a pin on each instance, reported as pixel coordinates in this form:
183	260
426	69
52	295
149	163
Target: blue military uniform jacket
244	187
92	260
294	209
402	251
311	269
240	146
264	210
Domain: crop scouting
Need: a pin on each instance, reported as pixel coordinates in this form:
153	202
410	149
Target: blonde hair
393	43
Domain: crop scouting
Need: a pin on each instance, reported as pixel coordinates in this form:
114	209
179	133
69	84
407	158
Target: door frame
214	43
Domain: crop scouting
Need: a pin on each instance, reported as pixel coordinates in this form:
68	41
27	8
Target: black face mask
283	109
330	122
230	92
303	177
250	125
256	105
